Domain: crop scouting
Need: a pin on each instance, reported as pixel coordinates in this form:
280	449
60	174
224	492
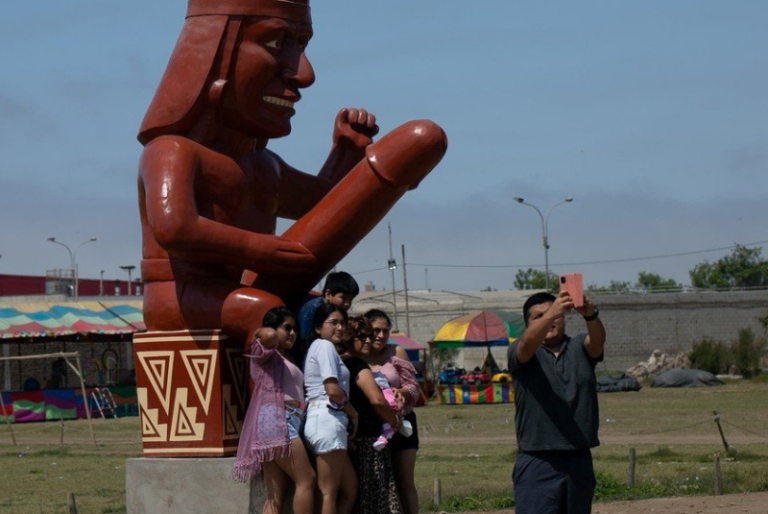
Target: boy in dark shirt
339	289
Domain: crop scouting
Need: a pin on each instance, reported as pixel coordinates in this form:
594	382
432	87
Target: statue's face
269	68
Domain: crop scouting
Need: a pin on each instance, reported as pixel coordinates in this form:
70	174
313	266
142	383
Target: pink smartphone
573	283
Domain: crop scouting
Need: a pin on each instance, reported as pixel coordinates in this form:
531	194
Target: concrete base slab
184	486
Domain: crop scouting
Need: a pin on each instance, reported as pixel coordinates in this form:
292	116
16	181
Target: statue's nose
301	74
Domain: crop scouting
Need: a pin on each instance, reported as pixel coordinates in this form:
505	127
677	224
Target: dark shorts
399	442
554	482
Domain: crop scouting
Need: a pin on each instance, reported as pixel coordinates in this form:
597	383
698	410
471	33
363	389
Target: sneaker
406	429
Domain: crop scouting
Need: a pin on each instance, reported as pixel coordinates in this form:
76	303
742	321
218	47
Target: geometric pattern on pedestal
184	425
152	431
232	426
158	365
191	391
201	366
237	366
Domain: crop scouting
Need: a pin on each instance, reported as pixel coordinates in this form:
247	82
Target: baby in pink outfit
386	429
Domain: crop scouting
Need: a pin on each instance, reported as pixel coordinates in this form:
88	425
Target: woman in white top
330	419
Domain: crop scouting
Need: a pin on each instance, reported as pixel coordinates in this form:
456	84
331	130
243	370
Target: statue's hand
283	256
355	128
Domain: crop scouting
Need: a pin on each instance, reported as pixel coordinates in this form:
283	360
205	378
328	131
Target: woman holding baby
377	493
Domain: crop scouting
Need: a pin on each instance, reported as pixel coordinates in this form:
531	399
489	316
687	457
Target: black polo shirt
556	398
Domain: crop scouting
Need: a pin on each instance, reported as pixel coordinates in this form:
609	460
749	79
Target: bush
710	355
748	352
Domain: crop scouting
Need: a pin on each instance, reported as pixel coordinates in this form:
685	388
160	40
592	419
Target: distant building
61	282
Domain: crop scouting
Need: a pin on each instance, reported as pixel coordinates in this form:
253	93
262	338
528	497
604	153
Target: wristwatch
593	317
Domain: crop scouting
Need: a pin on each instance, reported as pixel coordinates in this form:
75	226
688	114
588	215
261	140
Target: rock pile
659	362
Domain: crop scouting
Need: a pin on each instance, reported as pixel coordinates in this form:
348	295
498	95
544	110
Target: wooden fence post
438	493
631	468
718	476
722	435
71	503
7	419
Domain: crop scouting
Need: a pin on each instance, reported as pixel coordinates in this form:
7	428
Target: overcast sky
653	115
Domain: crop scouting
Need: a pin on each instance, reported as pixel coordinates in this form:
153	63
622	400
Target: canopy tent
413	349
479	329
41	320
406	342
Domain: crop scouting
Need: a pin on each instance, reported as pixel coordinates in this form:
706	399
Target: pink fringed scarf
264	437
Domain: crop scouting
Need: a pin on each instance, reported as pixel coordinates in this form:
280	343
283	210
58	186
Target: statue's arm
169	169
353	132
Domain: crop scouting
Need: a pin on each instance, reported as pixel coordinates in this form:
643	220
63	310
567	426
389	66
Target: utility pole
405	289
392	264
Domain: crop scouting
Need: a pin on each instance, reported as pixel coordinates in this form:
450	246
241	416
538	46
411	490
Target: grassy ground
469	448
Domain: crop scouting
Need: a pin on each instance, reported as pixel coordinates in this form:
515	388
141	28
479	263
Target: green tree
654	281
615	286
742	268
535	279
620	286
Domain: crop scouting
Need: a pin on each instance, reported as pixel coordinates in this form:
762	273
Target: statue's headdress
201	59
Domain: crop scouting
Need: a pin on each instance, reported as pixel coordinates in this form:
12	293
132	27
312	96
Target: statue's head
239	62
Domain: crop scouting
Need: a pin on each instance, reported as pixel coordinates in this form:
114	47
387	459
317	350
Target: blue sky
652	115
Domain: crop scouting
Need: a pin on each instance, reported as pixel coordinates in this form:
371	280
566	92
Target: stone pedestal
192	392
184	486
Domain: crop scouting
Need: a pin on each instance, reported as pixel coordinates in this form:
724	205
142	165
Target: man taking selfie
556	411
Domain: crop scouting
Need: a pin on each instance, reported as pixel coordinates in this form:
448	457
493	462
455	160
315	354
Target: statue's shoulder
172	152
172	144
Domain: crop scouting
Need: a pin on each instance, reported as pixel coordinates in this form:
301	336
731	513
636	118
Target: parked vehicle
502	376
477	377
451	374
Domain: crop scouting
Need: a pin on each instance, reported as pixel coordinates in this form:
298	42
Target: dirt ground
754	503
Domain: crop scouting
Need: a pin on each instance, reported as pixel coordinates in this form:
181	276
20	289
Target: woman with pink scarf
270	446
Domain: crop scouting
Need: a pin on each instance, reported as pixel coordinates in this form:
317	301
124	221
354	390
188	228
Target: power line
586	263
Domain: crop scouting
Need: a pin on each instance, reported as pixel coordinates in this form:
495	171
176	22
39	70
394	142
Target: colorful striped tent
40	320
479	329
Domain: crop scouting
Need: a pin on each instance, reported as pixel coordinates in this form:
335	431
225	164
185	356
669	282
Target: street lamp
544	230
73	261
129	269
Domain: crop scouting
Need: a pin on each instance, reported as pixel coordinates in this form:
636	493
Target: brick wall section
638	324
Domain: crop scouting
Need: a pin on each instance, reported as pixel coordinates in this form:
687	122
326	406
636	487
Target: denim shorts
293	418
325	430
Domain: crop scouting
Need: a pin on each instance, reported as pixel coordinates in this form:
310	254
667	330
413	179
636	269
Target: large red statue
210	191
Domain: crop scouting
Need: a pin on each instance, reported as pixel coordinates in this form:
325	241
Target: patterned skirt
377	492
